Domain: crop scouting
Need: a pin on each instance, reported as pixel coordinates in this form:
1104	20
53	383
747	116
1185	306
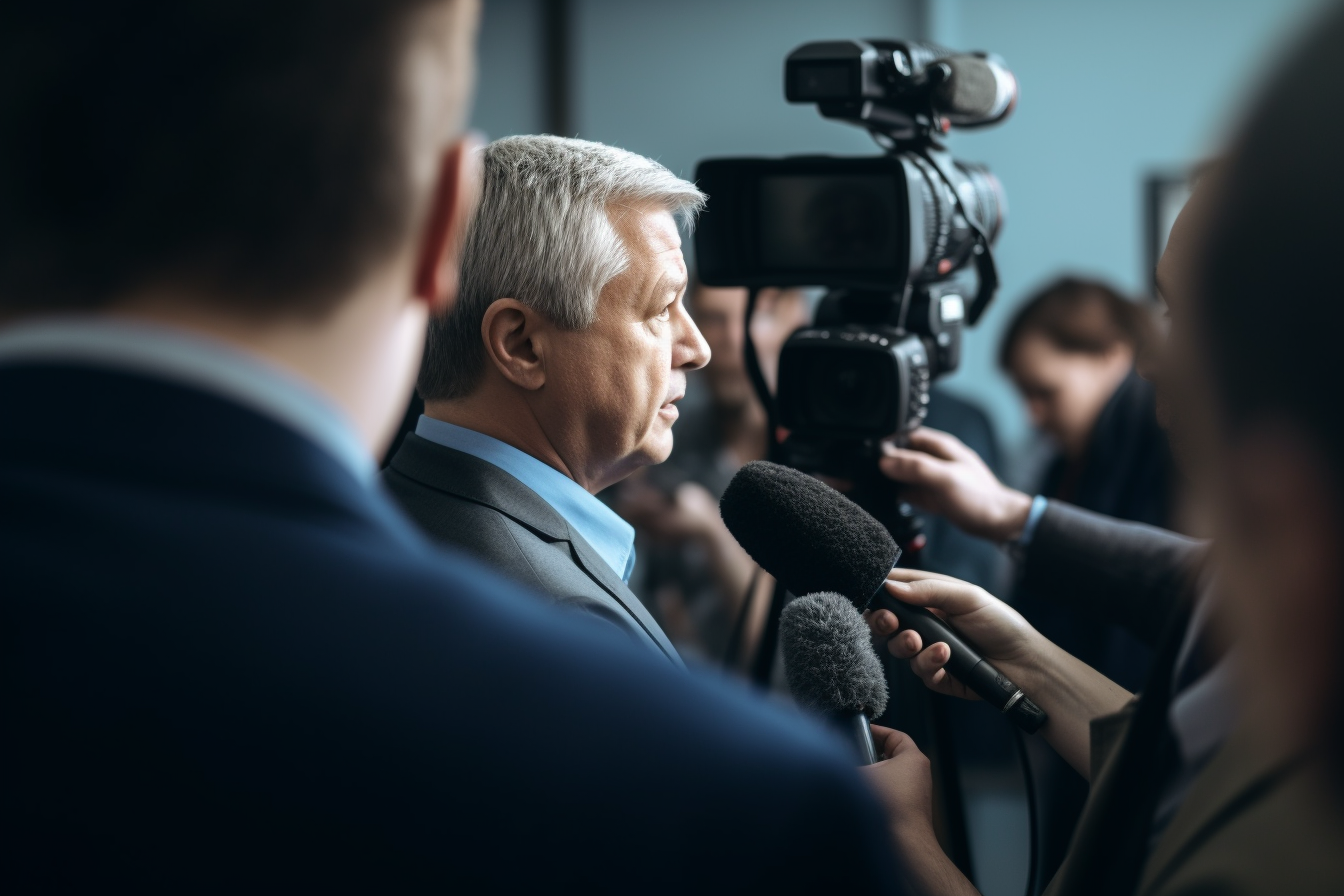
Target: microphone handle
966	663
858	728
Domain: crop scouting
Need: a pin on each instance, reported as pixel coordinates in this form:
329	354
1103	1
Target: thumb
892	743
952	596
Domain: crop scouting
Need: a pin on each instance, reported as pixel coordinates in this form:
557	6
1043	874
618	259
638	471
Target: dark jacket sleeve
1131	574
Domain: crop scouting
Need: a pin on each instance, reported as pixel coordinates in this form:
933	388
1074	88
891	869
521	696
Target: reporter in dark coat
557	372
230	664
1189	794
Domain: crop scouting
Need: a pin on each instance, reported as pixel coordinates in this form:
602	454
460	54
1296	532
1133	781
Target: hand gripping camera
903	240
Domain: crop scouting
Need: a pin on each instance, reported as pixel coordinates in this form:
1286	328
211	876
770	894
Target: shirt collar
612	537
197	361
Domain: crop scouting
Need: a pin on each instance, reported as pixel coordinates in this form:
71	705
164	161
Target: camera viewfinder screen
829	222
822	81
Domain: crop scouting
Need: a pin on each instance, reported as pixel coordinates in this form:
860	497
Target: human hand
902	782
904	785
943	476
998	631
688	513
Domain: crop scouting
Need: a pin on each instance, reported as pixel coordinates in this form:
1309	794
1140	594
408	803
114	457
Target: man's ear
456	192
514	337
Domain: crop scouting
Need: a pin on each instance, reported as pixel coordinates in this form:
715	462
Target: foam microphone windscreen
828	657
806	534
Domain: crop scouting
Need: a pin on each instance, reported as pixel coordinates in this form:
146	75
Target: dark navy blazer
229	666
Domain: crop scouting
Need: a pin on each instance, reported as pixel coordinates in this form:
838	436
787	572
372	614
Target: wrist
1014	511
924	865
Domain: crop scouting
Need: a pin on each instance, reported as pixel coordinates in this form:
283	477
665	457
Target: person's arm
1127	573
904	785
1070	692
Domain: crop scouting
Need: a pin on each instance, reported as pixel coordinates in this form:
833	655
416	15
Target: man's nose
691	351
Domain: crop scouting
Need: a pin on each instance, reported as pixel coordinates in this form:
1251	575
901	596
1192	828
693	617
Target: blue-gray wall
1111	90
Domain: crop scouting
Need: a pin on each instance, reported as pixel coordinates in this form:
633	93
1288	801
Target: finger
953	597
930	667
911	467
906	574
905	644
928	663
940	444
890	742
882	623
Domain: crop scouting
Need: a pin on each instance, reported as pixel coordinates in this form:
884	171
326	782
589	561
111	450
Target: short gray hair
542	235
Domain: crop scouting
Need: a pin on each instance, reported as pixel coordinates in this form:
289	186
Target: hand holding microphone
812	538
997	630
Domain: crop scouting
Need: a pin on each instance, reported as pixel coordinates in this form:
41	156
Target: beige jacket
1257	821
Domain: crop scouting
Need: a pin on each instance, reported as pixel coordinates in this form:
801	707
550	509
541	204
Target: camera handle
986	269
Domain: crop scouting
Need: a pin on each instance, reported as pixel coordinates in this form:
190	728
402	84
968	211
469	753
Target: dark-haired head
265	153
1068	348
1269	310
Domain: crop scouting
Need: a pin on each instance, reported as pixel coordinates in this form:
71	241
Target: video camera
896	237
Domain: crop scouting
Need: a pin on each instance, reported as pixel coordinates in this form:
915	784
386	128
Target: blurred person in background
1072	350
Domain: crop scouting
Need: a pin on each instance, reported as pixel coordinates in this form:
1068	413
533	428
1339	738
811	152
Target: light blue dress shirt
207	364
612	537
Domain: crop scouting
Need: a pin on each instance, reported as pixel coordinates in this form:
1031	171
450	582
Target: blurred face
1169	369
1273	490
1277	530
720	312
1066	391
609	399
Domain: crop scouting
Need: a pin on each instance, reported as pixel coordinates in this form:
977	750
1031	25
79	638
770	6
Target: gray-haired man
557	372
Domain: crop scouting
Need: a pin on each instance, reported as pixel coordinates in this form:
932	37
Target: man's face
609	398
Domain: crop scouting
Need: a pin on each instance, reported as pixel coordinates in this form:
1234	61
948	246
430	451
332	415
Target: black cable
739	630
764	661
1029	780
757	377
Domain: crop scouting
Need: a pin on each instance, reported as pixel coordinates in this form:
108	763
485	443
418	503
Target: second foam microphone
812	538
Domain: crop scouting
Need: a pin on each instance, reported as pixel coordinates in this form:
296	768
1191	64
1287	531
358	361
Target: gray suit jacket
465	501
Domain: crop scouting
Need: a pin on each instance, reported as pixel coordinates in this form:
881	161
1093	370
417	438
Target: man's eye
666	313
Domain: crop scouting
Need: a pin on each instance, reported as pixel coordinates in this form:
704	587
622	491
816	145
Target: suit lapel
473	479
585	555
1243	771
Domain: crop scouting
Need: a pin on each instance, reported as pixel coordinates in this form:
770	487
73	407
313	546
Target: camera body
895	236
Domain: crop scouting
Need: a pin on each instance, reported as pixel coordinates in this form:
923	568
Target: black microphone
812	538
830	665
